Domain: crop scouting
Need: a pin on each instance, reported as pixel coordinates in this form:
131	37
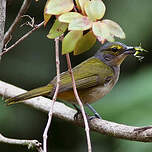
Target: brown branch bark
2	22
21	12
29	143
63	112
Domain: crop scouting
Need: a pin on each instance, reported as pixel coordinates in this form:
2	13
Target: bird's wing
80	84
89	73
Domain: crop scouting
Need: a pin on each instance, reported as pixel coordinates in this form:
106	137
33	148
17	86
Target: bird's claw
79	116
94	117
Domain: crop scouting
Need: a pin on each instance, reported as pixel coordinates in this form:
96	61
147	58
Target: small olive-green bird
94	77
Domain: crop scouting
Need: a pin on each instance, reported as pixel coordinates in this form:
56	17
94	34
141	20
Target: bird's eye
114	49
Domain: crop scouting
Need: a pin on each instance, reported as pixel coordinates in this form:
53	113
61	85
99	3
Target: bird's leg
96	115
78	115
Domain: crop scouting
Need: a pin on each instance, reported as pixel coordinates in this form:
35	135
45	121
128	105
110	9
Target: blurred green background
32	64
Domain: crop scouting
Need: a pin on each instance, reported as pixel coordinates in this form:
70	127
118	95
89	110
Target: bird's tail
30	94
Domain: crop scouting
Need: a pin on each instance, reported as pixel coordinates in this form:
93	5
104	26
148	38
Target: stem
54	97
80	103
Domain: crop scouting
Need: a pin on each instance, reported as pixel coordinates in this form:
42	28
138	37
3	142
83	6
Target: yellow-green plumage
84	78
94	77
30	94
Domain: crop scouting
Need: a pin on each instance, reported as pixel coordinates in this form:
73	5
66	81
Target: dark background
32	64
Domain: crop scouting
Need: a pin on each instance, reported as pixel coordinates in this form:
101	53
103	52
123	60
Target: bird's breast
95	93
91	94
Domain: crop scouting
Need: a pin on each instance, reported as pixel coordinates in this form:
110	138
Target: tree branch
66	113
2	22
21	12
36	27
29	143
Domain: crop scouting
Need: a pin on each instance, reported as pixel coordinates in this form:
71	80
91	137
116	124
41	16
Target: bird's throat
119	59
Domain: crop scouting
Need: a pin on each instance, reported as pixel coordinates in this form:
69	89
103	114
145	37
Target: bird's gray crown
110	44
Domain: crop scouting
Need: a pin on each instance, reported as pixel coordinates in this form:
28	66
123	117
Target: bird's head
113	53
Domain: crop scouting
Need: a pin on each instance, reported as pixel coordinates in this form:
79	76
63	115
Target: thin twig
36	27
66	113
31	23
21	12
80	103
54	97
2	22
29	143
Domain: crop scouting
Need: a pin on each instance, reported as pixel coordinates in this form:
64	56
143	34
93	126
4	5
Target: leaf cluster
83	21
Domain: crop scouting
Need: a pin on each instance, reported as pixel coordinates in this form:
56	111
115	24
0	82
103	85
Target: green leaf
57	29
57	7
82	3
78	5
114	28
70	40
102	32
46	18
81	23
85	43
95	9
69	16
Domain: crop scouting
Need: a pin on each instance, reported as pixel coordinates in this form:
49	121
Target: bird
94	77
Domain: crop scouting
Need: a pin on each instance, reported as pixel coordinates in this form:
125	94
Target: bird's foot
79	116
95	116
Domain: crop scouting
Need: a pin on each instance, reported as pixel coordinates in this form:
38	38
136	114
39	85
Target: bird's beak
129	50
